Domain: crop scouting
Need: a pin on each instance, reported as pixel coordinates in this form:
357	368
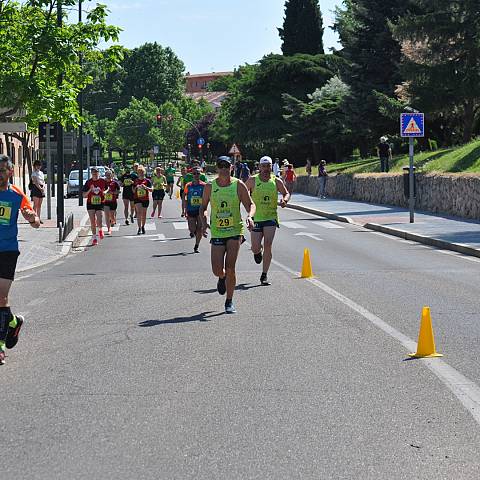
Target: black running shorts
8	264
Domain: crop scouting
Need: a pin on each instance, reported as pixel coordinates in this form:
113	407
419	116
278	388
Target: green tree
254	109
302	30
135	128
149	71
441	60
320	120
34	52
372	64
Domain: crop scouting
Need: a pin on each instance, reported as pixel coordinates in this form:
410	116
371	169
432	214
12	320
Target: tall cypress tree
302	30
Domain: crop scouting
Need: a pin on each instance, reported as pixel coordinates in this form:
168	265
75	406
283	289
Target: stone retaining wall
451	194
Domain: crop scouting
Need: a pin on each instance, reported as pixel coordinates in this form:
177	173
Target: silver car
72	183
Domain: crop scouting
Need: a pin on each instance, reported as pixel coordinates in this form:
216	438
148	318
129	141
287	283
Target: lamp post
60	155
80	128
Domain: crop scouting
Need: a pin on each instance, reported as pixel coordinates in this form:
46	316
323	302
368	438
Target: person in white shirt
276	167
37	187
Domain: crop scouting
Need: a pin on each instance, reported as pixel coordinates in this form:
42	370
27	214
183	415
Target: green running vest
265	197
225	218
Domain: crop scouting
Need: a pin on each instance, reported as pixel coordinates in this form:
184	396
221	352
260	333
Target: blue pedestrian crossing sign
412	125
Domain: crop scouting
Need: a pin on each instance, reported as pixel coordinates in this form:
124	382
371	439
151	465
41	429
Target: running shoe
195	249
258	257
127	222
143	230
221	286
139	231
152	214
159	216
192	234
12	333
2	357
131	218
94	242
230	307
101	234
264	279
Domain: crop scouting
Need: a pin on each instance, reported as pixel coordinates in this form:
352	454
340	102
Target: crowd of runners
259	195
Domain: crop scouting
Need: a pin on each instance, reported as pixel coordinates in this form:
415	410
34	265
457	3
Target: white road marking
131	237
116	228
326	224
150	226
35	302
159	237
291	225
464	389
313	236
459	255
180	225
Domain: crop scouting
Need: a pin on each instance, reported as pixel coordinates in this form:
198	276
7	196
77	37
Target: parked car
72	183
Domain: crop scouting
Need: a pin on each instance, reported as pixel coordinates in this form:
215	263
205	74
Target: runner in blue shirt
193	200
12	202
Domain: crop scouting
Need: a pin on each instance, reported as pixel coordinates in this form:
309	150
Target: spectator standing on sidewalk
308	167
322	179
384	153
276	168
290	177
37	187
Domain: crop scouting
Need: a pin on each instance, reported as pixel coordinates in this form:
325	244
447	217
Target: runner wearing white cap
264	188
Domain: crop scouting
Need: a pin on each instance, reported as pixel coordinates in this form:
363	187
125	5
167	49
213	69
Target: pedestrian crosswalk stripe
116	228
291	225
150	226
325	224
180	225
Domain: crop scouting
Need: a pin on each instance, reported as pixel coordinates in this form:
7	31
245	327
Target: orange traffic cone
426	342
307	265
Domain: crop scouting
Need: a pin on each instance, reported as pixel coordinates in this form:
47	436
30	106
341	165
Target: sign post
49	169
412	125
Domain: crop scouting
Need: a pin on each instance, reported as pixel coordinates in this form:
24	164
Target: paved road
129	368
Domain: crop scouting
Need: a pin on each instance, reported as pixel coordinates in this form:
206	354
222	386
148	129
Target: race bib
196	201
109	197
5	213
96	200
141	192
224	220
128	182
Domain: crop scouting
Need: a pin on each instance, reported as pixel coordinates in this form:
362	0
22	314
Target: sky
208	35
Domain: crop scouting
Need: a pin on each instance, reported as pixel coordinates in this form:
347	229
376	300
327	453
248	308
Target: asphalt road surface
128	367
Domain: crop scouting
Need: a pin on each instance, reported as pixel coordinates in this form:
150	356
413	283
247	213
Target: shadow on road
200	317
241	286
179	254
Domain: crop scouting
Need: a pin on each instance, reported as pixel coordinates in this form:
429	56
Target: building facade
199	83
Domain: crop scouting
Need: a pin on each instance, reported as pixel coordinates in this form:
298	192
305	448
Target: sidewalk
450	233
40	246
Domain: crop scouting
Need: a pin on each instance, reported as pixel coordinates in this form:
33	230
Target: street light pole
60	157
80	128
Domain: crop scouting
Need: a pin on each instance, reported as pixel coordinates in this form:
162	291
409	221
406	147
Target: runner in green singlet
170	174
159	183
225	194
264	188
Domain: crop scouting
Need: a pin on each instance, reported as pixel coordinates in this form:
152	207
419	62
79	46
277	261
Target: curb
66	248
433	242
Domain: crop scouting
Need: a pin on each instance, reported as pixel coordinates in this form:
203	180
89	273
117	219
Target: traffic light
199	146
159	120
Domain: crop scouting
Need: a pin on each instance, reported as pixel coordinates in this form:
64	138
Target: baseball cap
266	159
224	158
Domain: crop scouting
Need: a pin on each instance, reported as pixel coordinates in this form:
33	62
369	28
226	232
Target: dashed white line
291	225
180	225
326	224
